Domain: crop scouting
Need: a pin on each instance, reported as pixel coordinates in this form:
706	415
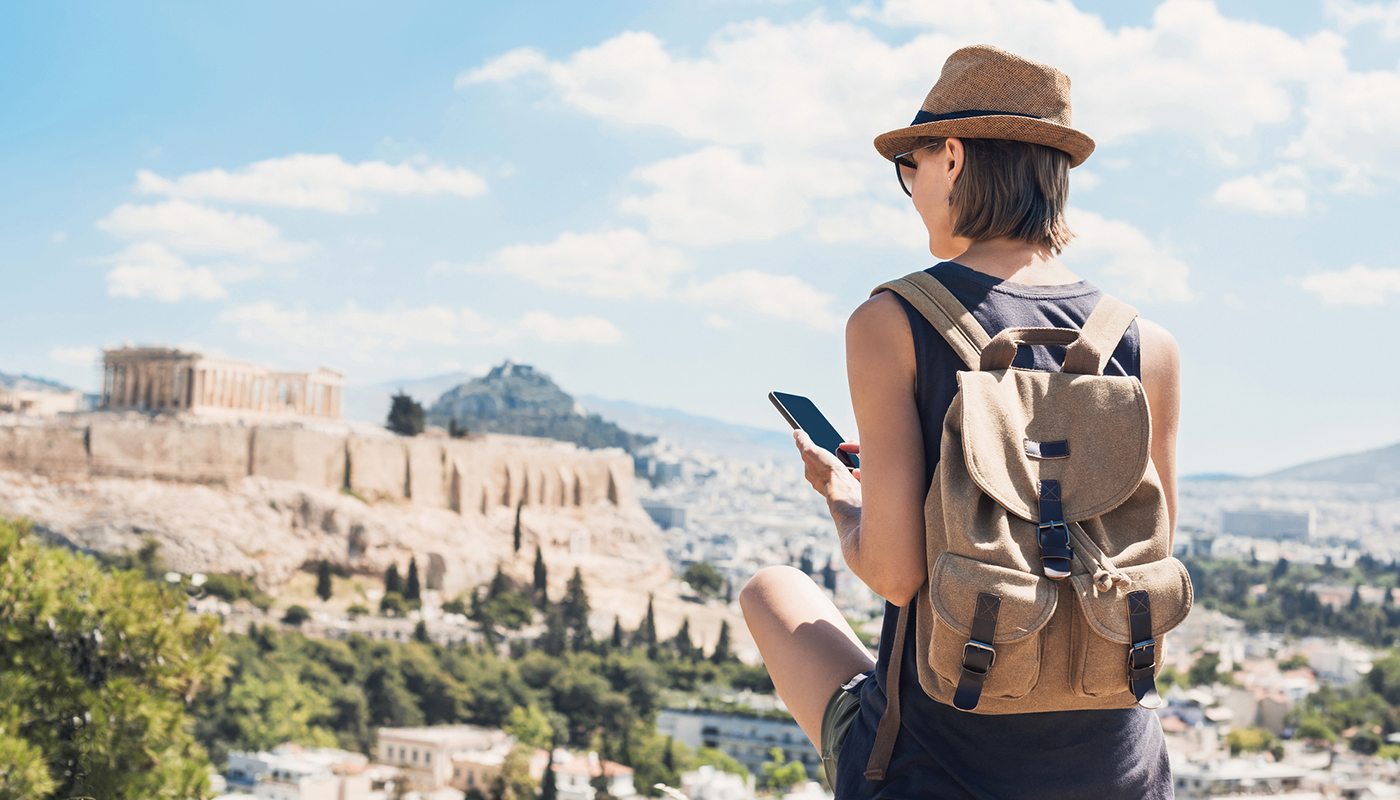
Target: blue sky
678	204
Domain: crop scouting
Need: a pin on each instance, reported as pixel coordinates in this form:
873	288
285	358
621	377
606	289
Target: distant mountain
517	398
696	432
31	383
1372	466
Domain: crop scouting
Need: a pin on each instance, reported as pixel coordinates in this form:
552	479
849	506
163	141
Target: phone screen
802	413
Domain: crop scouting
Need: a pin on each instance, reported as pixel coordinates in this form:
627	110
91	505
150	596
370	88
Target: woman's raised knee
768	582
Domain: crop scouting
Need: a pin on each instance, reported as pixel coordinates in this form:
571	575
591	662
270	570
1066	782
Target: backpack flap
1091	433
1119	635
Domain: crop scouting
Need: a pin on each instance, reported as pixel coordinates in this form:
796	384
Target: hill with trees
518	399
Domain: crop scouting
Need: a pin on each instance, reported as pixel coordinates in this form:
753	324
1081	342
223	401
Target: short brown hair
1014	189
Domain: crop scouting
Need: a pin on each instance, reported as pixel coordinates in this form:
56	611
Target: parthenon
158	379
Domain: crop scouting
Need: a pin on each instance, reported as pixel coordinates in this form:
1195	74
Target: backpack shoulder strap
957	326
1099	337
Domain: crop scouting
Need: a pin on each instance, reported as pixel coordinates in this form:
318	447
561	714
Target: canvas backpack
1051	580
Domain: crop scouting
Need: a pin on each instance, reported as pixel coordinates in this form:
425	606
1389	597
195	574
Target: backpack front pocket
1103	638
1025	603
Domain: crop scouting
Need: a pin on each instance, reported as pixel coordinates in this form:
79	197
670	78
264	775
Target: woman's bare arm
880	516
1161	380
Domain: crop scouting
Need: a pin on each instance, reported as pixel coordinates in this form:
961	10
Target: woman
986	165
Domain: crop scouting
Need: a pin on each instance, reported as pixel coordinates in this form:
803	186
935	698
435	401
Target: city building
39	402
426	755
1235	776
159	379
291	772
1267	524
574	778
665	516
708	783
745	738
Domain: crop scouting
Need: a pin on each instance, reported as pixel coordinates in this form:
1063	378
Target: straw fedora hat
985	92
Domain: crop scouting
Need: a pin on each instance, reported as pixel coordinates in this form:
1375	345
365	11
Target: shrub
296	615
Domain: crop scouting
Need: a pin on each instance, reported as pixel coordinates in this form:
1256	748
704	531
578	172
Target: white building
574	779
708	783
1235	776
745	738
290	772
39	402
426	754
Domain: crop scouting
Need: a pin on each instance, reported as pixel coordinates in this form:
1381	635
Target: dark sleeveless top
942	752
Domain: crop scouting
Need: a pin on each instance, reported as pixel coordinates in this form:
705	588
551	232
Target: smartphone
802	413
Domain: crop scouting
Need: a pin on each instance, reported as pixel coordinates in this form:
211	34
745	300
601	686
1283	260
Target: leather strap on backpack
978	653
1099	337
1142	658
885	735
1052	534
955	323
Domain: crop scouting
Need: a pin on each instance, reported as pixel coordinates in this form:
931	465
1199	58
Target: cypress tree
646	634
829	576
575	603
721	653
618	637
392	581
323	580
406	416
420	633
684	647
516	535
549	789
541	579
556	637
412	590
500	584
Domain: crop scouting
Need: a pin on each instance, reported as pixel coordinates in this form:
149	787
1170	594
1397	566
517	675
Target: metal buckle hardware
972	647
1143	646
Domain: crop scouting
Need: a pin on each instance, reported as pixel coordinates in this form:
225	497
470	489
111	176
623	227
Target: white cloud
58	237
1144	270
550	329
1278	191
617	264
313	181
1357	285
780	296
1350	14
713	196
1353	130
194	228
362	332
75	356
517	62
353	327
717	321
148	270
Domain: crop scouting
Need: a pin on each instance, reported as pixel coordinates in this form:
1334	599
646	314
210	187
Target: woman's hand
826	473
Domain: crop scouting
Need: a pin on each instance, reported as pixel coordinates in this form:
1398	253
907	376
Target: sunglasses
903	162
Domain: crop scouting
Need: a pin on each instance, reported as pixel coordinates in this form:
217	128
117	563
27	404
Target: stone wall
470	476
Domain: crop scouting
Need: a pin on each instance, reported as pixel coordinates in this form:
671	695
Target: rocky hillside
518	399
31	383
1372	466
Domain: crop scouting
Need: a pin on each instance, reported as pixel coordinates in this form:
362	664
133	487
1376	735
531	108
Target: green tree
412	590
420	633
1206	670
406	415
535	728
682	643
516	534
323	580
392	581
721	655
392	604
513	782
646	633
556	635
720	760
1252	739
96	669
549	789
619	637
500	584
295	615
541	578
268	712
778	774
575	606
455	430
704	579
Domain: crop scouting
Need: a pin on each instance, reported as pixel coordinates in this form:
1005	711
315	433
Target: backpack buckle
975	652
1148	649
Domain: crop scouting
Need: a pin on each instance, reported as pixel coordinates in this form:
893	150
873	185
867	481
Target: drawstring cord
1097	562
